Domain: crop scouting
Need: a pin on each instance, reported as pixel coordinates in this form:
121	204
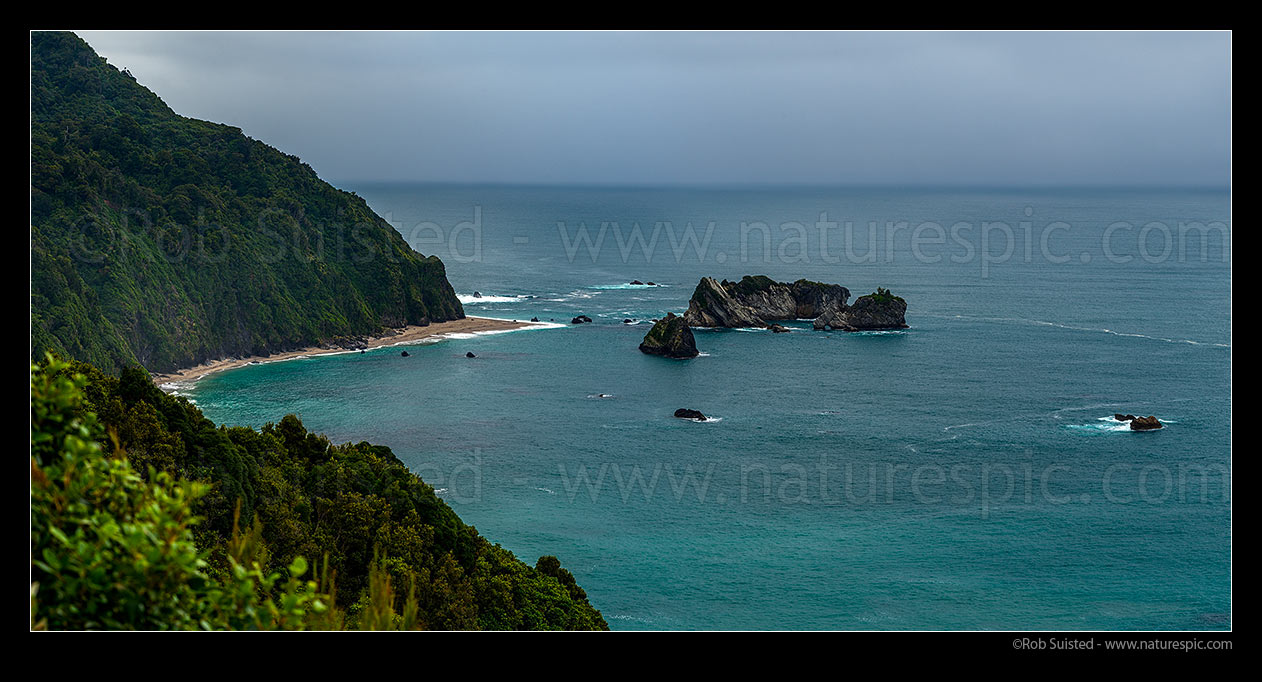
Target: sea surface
965	473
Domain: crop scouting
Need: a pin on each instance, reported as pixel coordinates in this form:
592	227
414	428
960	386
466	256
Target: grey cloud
677	107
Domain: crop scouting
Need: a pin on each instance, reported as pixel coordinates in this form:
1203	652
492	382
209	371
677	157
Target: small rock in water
1123	417
628	321
361	350
652	284
685	413
777	328
581	319
636	283
534	319
470	355
404	354
1148	423
477	294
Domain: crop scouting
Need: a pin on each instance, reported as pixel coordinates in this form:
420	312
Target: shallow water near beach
963	473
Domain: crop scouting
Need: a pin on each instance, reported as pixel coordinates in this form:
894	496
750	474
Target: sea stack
756	300
671	337
1148	423
874	312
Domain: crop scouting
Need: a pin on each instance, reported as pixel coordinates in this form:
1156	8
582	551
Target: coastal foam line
1098	330
552	297
467	299
178	387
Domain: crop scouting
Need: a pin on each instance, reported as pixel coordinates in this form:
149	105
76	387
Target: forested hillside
166	241
146	515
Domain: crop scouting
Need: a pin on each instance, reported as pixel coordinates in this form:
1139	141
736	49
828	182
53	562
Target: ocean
965	473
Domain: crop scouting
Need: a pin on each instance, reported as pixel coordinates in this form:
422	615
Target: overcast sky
703	108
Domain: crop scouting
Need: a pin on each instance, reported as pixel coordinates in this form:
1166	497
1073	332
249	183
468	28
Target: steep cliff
166	241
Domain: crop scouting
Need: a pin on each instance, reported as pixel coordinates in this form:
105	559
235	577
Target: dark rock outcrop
581	319
534	319
685	413
636	283
1123	417
815	298
404	354
1148	423
470	355
879	311
777	328
712	305
671	337
756	300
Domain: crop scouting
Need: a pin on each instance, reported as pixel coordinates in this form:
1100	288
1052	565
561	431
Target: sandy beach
403	336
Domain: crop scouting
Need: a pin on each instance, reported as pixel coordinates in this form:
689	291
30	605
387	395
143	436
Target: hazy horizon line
720	185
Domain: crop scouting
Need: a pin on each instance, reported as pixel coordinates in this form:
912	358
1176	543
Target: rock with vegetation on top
879	311
671	337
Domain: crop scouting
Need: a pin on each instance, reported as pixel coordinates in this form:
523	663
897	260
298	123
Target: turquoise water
958	474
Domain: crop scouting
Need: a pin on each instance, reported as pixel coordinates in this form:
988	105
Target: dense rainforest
165	241
146	515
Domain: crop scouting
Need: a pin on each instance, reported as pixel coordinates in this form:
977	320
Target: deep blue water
959	474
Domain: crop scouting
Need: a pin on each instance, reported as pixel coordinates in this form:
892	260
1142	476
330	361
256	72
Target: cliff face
712	305
756	300
814	299
167	241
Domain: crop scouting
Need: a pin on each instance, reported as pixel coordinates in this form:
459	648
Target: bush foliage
115	548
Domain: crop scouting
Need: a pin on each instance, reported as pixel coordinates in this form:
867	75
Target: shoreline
404	335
